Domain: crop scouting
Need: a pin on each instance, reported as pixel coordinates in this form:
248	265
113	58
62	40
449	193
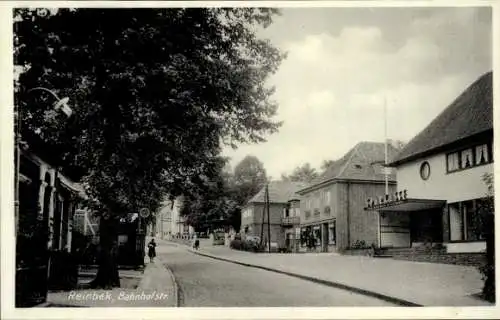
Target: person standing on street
152	250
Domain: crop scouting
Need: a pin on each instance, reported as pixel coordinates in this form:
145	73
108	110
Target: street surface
206	282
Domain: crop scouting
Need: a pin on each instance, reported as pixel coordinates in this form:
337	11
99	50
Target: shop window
305	234
317	235
465	221
473	223
331	232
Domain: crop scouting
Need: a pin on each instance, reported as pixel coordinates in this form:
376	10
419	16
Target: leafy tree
154	91
304	173
326	164
398	144
210	201
487	214
249	177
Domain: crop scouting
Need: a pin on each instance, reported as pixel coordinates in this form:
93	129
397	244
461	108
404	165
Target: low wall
356	252
432	256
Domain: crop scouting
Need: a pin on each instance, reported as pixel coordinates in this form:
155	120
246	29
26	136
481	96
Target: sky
343	63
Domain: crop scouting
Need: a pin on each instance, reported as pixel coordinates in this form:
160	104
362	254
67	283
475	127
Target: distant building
280	193
290	222
332	206
169	222
441	170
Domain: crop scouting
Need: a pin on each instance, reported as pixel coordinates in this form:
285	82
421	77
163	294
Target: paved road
205	282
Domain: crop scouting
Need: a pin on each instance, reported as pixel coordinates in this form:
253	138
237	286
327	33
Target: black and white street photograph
239	155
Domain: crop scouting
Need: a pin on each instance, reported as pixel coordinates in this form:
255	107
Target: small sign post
144	212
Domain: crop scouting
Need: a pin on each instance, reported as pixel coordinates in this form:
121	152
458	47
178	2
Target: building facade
47	202
254	221
332	206
168	222
291	224
441	171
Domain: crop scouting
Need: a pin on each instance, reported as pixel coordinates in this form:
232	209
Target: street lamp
60	104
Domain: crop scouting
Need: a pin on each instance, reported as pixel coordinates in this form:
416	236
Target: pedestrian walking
196	242
152	250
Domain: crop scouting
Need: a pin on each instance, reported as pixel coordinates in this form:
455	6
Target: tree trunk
107	275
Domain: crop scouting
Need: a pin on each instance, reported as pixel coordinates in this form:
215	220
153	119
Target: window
453	163
331	232
317	235
317	201
425	170
307	214
304	235
470	157
248	213
482	154
308	202
466	159
327	210
327	197
465	221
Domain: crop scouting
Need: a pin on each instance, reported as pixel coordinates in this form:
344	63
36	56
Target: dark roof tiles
279	192
363	162
471	113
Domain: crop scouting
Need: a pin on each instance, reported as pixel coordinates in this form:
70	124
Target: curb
174	282
337	285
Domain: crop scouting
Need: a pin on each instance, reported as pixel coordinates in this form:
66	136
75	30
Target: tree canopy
249	177
303	173
155	94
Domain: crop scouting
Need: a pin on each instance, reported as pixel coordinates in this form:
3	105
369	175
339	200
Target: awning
71	186
408	205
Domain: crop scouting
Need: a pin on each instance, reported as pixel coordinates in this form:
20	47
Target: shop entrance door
325	237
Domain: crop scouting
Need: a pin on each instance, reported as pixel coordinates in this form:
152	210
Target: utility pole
263	219
268	218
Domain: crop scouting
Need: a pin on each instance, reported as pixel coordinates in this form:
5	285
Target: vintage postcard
256	160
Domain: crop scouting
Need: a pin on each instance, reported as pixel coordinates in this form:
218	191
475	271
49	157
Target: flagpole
385	142
268	217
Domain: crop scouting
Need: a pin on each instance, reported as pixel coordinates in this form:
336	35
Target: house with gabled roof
332	206
283	213
441	171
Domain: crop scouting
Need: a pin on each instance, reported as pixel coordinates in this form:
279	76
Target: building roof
279	192
363	162
470	114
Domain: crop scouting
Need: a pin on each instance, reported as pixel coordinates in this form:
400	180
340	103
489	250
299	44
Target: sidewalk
155	288
410	283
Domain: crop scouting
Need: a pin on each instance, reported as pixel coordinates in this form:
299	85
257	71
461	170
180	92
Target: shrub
236	244
487	210
252	246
